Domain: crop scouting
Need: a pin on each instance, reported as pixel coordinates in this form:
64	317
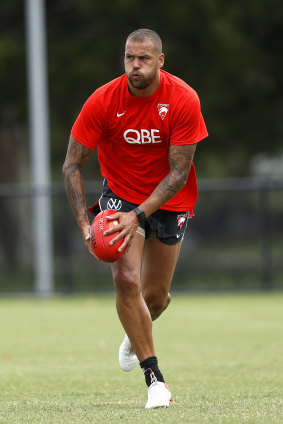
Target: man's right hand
86	236
77	155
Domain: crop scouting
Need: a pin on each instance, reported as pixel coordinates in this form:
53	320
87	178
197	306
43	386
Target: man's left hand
128	224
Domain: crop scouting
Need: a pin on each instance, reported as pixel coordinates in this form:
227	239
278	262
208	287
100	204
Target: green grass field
222	356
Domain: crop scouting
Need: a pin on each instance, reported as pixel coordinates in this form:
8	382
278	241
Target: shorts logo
162	110
181	219
115	204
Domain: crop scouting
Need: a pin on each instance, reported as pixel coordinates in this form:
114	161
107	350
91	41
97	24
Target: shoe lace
153	378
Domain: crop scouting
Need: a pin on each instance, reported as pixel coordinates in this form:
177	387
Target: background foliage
229	51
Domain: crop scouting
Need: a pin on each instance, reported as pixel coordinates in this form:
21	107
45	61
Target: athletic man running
145	125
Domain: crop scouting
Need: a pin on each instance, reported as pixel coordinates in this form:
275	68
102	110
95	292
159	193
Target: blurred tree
13	118
13	112
229	51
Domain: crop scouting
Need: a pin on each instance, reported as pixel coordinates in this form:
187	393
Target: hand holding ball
100	243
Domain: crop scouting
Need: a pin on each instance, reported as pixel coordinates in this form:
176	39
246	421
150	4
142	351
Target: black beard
142	83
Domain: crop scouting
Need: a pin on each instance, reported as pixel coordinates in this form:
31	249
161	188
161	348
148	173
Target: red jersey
133	136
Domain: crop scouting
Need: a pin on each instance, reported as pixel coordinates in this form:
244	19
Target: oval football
99	242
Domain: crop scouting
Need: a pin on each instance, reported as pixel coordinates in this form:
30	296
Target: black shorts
168	226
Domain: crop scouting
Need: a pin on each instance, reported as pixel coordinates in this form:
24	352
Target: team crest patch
181	219
162	110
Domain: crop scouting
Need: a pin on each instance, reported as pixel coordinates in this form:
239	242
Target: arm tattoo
77	156
180	160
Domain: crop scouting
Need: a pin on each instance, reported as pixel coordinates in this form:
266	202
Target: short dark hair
141	34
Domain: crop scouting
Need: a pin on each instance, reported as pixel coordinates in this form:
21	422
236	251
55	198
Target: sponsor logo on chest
142	136
146	136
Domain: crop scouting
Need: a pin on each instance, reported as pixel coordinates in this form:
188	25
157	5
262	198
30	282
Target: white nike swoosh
121	114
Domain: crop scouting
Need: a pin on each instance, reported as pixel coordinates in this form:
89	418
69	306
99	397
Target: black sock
151	371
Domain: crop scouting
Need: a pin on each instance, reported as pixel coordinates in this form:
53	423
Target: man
145	124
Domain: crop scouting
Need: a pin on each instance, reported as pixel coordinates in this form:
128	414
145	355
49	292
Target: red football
99	242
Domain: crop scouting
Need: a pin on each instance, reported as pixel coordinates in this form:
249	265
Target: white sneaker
127	357
159	396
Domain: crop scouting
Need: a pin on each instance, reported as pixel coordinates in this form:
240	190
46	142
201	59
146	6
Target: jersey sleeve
188	126
90	123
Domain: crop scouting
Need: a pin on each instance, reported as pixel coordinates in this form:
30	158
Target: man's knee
126	282
156	301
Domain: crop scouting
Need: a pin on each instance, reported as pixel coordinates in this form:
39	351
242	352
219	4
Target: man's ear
161	60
